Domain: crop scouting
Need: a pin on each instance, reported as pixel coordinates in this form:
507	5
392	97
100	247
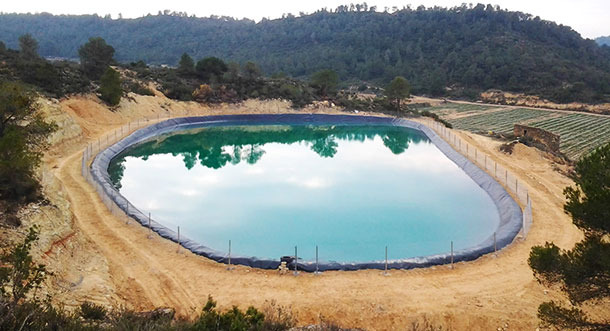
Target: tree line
457	51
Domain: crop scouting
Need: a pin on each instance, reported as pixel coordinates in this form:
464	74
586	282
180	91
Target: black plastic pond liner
510	214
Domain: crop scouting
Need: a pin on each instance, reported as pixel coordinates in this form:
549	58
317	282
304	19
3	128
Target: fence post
452	254
385	272
296	261
178	249
229	267
149	227
317	269
495	245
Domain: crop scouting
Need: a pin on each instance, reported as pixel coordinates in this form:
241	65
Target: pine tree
29	47
398	89
584	271
186	67
325	82
95	57
110	87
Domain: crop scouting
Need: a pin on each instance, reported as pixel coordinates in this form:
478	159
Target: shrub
23	135
110	87
137	88
91	311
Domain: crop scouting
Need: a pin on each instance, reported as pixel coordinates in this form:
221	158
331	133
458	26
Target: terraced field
580	133
500	121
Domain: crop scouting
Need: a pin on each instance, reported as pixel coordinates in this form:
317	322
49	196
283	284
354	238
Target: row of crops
580	133
501	121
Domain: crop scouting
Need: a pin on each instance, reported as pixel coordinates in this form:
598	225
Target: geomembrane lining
511	217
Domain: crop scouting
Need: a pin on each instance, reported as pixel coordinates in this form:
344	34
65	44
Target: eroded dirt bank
97	257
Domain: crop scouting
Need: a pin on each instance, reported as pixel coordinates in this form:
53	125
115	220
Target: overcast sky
591	18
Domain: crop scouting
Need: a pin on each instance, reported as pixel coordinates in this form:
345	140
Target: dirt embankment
517	99
97	257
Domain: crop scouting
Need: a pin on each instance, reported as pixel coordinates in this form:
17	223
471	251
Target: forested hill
460	50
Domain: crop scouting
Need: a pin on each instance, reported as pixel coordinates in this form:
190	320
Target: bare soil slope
98	257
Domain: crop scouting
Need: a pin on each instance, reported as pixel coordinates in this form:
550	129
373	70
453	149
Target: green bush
23	134
110	87
91	311
140	89
21	309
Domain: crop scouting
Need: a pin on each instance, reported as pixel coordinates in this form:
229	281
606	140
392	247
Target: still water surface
351	190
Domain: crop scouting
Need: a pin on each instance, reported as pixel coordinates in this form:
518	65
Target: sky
588	17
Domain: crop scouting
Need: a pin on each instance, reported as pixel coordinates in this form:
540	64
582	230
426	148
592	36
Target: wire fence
502	175
110	197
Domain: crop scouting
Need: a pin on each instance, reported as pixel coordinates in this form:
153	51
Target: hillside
458	51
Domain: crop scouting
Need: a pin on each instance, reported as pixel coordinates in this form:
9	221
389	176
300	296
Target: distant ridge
603	40
458	51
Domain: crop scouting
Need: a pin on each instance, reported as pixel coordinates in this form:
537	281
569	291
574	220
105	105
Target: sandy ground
99	257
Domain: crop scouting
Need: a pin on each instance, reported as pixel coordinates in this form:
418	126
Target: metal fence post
149	227
178	249
317	269
495	245
385	272
229	267
452	254
296	261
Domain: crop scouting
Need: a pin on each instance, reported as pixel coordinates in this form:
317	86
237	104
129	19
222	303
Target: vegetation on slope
583	271
21	308
458	51
23	134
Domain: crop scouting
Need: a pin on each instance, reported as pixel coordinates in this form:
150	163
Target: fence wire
110	196
502	175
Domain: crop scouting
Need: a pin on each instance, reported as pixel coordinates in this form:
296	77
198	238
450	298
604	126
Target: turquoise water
350	190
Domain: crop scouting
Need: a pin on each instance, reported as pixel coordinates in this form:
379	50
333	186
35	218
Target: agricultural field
580	133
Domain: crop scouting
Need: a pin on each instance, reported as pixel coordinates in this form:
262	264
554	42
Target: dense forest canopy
439	50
